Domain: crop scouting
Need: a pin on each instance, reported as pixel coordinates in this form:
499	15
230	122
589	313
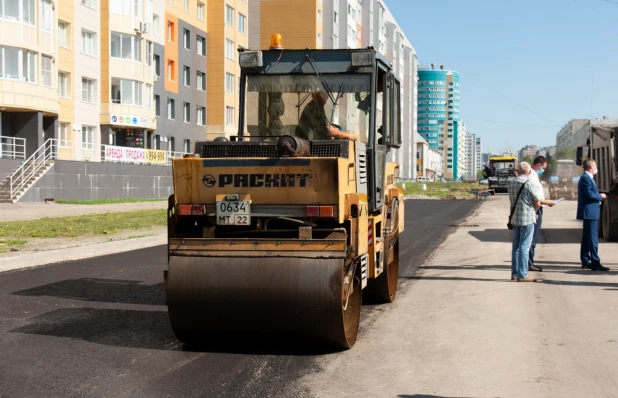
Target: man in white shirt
538	167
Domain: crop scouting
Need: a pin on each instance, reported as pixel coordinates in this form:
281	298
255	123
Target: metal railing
46	152
12	147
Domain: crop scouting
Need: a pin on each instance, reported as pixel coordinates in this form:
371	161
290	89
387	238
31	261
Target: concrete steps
5	189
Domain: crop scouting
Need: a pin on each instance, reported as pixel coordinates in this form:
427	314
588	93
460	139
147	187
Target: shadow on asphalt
549	235
542	279
490	267
425	396
152	330
101	290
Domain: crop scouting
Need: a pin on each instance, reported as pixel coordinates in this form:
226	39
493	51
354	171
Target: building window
149	53
200	11
201	115
156	140
63	85
88	86
46	71
229	116
320	14
171	109
171	71
187	75
157	103
336	18
89	44
229	82
126	92
187	6
88	137
186	111
201	81
149	96
201	45
9	9
63	34
170	32
319	38
126	46
10	64
242	23
186	146
229	49
229	15
46	15
63	134
89	3
157	65
171	146
186	38
156	25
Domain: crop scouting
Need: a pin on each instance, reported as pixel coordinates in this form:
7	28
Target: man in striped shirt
523	220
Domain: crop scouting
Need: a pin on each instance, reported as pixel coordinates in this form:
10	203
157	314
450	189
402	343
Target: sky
526	67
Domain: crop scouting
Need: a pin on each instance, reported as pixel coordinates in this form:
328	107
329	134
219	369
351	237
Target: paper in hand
559	200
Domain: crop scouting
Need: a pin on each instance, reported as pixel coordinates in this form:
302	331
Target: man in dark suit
589	209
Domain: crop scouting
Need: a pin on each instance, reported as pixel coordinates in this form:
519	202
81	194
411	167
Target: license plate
234	212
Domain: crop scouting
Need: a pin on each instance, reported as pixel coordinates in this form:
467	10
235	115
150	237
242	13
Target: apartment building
29	104
575	132
429	161
179	69
479	154
470	155
527	151
438	117
151	74
228	28
346	24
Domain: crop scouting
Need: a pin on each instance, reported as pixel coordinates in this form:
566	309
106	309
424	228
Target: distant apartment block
527	151
575	132
429	161
470	155
438	117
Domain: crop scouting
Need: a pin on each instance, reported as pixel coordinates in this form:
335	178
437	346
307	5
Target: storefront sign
156	156
124	154
129	120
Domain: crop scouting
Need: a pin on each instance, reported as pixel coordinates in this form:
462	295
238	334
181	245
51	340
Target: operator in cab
313	123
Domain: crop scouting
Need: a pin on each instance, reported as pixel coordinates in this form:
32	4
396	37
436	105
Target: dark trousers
535	237
589	252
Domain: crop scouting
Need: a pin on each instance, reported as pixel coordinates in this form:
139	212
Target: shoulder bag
509	225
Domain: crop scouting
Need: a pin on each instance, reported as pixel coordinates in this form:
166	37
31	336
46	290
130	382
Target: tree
480	176
528	159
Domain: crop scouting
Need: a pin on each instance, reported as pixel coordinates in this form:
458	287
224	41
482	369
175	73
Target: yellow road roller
286	226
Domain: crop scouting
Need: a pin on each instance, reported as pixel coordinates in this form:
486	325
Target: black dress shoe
585	265
599	268
535	268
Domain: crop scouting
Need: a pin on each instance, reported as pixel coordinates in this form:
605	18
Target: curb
79	253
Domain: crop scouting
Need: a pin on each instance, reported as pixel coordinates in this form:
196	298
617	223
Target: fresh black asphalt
99	328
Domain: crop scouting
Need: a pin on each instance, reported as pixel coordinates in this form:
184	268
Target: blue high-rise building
438	116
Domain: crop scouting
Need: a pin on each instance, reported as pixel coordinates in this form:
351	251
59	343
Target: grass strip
438	189
106	202
8	244
89	225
